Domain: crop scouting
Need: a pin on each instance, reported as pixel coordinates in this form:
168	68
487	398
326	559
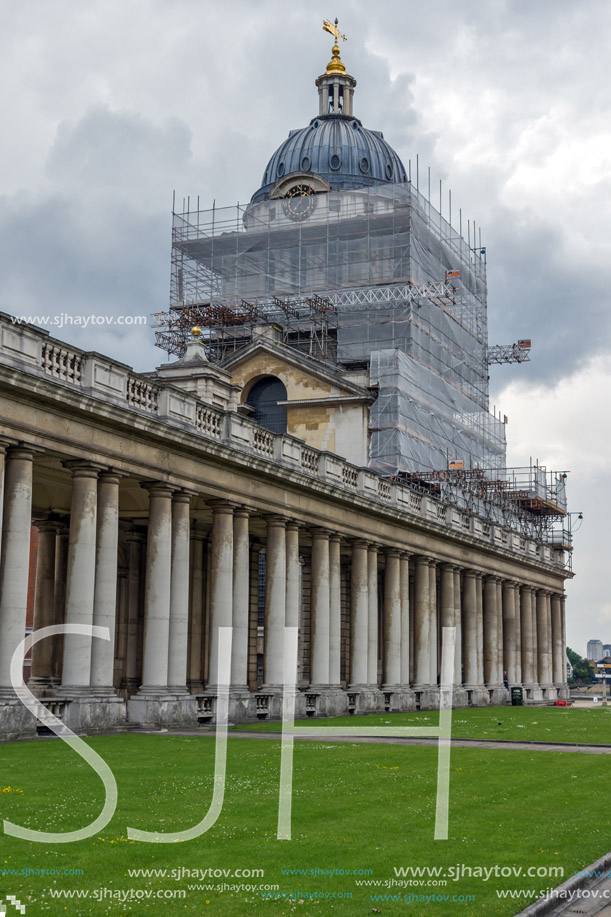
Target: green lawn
354	807
543	724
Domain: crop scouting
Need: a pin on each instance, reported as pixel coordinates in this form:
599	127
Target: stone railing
31	350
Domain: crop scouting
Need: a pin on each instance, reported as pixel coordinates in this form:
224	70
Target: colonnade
371	640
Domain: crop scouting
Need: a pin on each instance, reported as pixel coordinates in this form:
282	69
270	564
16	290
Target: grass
354	807
543	724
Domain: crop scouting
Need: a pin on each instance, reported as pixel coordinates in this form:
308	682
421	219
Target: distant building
596	650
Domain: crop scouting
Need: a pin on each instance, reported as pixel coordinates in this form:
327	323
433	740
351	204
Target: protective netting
422	422
410	295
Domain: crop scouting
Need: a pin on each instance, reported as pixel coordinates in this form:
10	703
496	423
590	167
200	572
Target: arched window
264	397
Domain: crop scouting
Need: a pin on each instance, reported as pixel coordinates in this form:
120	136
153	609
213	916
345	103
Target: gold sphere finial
335	65
196	331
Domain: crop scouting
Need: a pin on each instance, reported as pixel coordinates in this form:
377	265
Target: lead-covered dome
340	150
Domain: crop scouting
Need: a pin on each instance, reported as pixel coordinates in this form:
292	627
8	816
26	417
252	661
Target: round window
316	124
364	164
280	169
335	162
305	164
355	125
389	171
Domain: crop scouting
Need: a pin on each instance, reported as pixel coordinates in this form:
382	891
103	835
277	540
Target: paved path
498	745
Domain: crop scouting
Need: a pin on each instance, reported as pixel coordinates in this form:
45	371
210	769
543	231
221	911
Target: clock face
299	202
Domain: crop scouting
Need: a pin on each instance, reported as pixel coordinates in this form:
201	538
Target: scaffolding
308	324
528	500
396	289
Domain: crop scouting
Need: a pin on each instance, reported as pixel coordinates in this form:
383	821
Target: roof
340	150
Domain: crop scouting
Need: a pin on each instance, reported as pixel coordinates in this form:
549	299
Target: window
264	397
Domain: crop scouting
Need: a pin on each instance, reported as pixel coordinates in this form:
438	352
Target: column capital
111	477
275	519
81	468
319	531
357	542
447	567
492	578
374	546
423	559
182	496
158	488
244	512
135	537
222	506
392	552
293	525
47	525
405	555
23	451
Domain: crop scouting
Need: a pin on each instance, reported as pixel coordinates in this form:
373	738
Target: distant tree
583	671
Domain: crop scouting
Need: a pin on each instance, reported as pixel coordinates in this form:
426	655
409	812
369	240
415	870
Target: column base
426	697
534	693
460	697
398	698
562	692
321	700
477	695
364	699
95	712
16	721
498	695
43	686
159	707
549	692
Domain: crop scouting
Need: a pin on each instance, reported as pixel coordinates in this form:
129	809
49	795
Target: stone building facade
173	503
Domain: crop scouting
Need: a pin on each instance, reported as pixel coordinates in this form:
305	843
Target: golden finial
335	65
196	331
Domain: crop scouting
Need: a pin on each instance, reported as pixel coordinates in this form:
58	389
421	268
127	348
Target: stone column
565	690
391	675
179	594
434	642
359	601
15	719
372	639
526	646
544	654
470	629
241	596
448	607
493	673
335	610
105	592
480	628
509	632
196	614
458	619
157	590
404	575
501	632
293	575
76	669
221	584
132	673
518	618
558	651
422	624
59	599
319	660
275	602
41	671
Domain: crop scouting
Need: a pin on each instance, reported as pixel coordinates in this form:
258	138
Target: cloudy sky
108	106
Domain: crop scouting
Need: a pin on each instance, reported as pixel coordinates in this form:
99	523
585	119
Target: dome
338	149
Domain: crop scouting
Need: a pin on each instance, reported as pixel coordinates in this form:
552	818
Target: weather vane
335	65
328	26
